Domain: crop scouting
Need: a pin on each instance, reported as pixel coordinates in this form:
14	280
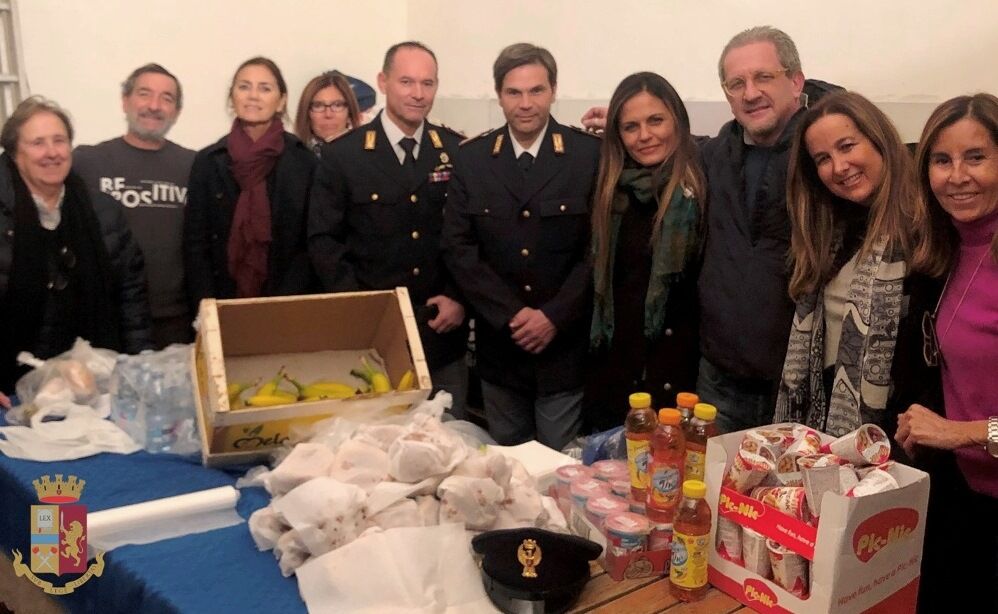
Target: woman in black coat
646	238
244	225
68	267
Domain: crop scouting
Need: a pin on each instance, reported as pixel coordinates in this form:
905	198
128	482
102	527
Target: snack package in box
861	551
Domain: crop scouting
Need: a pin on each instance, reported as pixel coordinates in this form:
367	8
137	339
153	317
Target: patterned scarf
863	359
675	249
249	237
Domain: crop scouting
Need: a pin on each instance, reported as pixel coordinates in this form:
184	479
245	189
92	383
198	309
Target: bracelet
991	443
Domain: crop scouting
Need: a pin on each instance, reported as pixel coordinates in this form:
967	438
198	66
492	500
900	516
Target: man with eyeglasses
745	308
376	211
147	175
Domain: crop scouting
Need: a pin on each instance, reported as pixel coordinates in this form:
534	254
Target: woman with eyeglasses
854	354
646	240
957	162
68	267
327	109
244	224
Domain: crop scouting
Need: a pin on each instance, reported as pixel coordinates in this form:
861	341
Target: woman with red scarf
244	225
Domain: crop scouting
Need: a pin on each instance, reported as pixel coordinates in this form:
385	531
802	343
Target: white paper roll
152	521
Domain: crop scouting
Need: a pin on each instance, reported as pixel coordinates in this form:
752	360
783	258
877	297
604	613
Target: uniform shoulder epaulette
477	137
585	132
452	131
353	131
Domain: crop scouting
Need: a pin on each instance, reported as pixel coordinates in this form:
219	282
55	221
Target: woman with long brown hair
247	203
646	239
955	438
856	216
327	109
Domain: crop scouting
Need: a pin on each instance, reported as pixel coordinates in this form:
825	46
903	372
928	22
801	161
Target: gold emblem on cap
558	142
435	139
529	555
444	158
369	139
497	146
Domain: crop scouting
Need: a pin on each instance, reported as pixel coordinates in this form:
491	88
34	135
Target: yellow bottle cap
687	399
705	411
694	489
639	400
670	416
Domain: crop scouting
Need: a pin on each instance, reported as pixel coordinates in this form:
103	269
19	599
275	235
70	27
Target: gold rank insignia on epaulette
558	143
370	138
435	139
497	146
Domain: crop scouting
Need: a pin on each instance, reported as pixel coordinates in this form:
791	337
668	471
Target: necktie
525	161
409	162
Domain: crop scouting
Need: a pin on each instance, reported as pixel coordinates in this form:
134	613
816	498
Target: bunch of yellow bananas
271	393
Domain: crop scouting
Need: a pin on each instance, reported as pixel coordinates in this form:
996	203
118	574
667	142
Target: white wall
79	52
908	55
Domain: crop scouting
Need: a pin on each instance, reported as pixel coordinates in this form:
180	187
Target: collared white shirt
534	148
395	134
49	218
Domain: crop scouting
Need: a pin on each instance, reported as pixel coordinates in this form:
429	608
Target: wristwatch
992	444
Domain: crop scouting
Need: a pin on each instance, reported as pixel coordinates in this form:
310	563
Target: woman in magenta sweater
958	167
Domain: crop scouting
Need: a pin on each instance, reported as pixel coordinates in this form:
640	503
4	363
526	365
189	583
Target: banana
271	385
332	390
269	400
235	389
406	381
377	380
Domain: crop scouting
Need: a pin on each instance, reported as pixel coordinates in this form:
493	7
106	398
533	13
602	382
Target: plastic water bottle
638	427
701	428
668	454
685	402
690	539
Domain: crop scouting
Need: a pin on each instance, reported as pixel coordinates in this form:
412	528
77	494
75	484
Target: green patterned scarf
673	251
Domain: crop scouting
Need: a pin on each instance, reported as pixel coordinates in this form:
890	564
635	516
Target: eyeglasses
336	106
930	343
61	268
736	85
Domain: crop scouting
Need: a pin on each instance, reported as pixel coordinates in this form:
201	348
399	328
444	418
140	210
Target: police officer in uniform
516	237
376	212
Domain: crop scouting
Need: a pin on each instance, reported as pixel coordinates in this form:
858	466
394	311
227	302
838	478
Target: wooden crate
315	337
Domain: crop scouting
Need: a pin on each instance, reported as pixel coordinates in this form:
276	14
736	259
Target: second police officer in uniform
516	238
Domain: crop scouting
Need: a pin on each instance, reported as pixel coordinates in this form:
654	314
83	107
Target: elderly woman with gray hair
68	267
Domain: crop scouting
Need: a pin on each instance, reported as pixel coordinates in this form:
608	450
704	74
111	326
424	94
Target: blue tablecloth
219	571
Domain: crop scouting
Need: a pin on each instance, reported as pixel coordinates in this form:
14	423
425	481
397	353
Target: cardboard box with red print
864	555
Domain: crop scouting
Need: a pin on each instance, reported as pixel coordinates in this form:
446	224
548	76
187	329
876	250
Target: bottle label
665	484
689	560
695	462
637	462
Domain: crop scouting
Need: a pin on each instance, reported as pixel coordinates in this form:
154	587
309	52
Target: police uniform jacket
211	203
374	227
513	240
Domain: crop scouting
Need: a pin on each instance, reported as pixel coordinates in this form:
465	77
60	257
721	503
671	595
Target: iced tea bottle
665	473
690	541
701	428
685	402
638	427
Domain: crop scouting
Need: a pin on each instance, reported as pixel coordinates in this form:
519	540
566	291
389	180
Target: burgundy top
967	327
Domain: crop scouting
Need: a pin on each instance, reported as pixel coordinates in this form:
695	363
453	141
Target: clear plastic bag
80	375
152	399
